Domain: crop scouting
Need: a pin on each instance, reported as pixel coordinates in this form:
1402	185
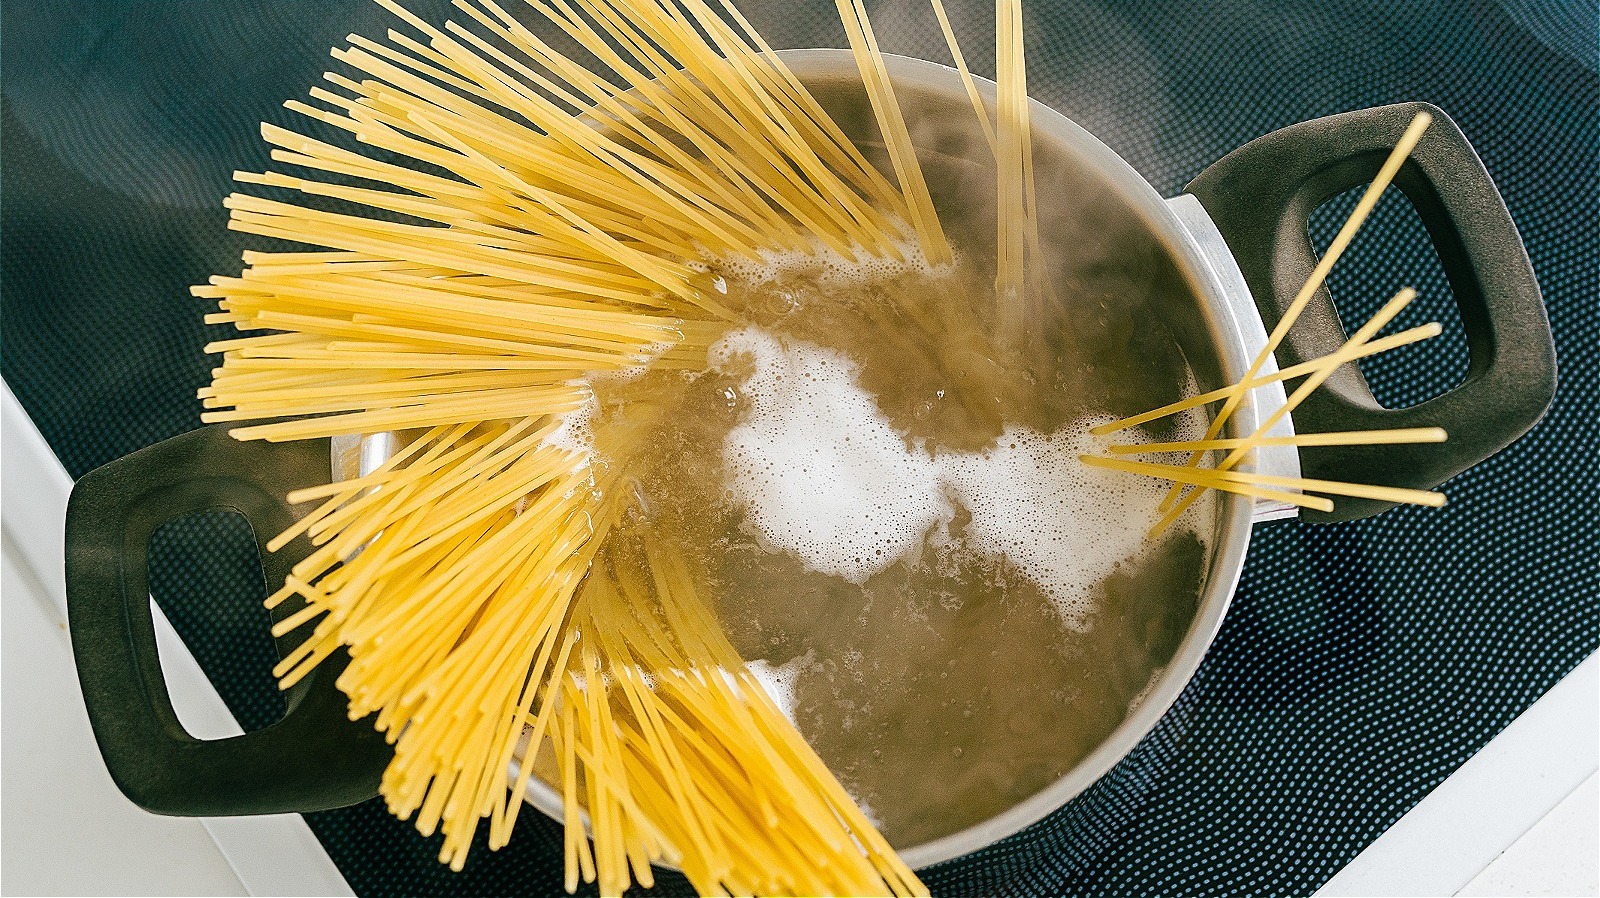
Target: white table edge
271	855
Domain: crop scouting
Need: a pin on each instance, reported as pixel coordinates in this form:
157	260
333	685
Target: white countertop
1519	818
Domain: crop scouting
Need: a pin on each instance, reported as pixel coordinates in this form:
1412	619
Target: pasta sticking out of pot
494	225
1190	479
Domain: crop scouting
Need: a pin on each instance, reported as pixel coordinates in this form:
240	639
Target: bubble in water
782	302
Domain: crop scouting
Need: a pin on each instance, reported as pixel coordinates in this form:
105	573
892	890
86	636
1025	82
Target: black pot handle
1261	197
315	757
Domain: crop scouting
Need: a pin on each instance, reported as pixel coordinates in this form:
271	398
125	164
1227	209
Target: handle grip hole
206	577
1393	250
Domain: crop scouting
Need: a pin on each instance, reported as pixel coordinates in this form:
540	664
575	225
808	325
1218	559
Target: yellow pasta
492	224
670	717
1319	274
874	72
1328	365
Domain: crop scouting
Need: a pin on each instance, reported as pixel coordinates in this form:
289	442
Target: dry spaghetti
497	224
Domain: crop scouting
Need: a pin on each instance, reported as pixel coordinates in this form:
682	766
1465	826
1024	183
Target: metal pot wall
1235	247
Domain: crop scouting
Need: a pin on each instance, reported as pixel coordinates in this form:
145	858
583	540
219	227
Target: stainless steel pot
1236	241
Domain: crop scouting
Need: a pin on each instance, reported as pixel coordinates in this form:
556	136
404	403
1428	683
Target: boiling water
887	508
884	500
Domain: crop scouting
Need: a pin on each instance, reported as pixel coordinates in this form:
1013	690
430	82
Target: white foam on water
831	267
1150	684
779	680
575	433
866	810
819	470
1064	524
822	474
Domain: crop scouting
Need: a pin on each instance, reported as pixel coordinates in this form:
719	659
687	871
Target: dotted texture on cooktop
1361	663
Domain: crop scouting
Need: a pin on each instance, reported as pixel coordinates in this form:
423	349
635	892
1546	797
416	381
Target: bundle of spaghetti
447	574
459	615
1294	490
492	225
1306	387
1251	483
1319	274
676	751
556	222
1186	485
1013	162
1394	437
485	226
1010	139
892	125
1370	348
